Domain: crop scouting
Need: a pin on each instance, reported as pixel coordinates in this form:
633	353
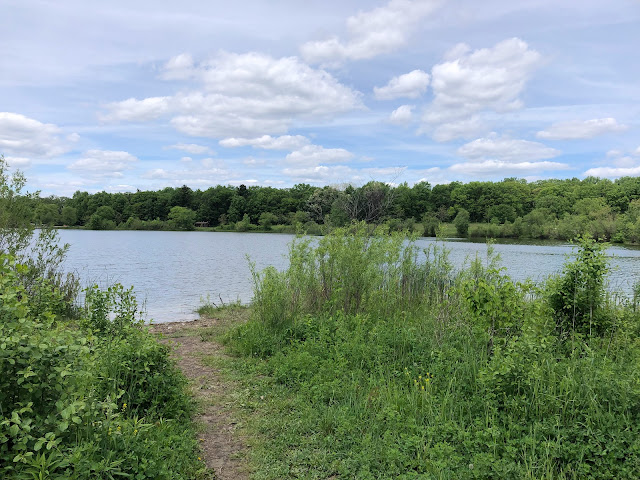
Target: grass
370	359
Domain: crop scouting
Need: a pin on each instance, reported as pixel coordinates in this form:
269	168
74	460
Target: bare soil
223	446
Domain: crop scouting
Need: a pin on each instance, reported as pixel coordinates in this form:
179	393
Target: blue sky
124	95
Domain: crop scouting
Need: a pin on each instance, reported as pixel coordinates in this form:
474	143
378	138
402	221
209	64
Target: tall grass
383	363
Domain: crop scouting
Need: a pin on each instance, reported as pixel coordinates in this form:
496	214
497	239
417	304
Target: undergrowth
93	398
375	360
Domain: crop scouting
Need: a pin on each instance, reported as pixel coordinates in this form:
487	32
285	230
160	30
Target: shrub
577	297
461	222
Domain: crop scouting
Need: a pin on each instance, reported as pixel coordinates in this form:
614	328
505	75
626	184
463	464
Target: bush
461	222
100	399
577	297
370	375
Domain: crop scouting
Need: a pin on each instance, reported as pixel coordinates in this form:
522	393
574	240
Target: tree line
555	208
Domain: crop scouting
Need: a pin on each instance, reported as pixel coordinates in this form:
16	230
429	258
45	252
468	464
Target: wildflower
124	407
199	459
135	432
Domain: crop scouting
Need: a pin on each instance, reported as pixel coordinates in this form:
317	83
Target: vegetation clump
85	393
378	361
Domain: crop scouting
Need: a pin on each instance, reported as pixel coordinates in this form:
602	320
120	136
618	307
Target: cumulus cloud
156	173
315	154
468	83
410	85
506	149
283	142
245	96
133	110
192	148
402	115
103	163
371	33
613	172
618	165
503	168
25	137
581	129
180	67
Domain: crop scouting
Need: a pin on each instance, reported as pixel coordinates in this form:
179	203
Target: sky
125	95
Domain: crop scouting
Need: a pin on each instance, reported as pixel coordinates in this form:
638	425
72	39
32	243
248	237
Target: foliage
83	395
459	376
38	251
182	218
90	402
577	297
461	222
512	208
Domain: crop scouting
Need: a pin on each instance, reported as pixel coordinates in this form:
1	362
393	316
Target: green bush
96	399
369	375
577	297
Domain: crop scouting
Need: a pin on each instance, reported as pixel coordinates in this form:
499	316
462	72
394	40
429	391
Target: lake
174	272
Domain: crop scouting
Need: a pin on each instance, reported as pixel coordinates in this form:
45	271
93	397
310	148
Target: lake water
174	272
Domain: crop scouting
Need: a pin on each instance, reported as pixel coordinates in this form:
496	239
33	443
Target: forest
545	209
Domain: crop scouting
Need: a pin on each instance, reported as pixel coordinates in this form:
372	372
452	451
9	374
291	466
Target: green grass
363	361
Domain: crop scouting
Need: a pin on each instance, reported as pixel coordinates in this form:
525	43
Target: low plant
369	375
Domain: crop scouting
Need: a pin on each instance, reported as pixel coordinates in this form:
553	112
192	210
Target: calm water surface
173	272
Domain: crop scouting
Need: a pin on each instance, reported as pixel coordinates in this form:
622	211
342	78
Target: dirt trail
223	448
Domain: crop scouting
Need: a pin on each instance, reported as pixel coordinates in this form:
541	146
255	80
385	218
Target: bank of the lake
359	362
174	272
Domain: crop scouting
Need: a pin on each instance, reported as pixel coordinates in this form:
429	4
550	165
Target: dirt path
223	447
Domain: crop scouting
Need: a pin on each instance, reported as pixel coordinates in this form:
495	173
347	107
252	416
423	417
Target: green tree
181	218
47	214
69	215
267	219
461	222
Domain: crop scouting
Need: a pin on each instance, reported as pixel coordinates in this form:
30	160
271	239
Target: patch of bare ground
223	446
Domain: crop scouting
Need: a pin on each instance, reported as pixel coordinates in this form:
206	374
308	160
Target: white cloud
179	67
318	173
410	85
315	154
371	33
254	162
186	159
133	110
469	83
283	142
502	168
192	148
156	173
25	137
402	115
613	172
466	128
506	149
579	129
245	96
103	163
18	162
617	165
